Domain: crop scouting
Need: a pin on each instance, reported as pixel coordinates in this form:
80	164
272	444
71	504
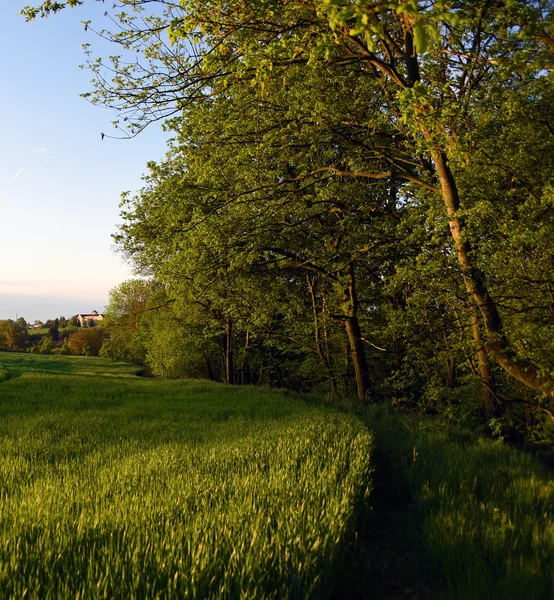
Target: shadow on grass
386	559
481	512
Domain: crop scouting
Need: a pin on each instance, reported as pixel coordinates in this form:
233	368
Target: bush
86	342
46	345
64	348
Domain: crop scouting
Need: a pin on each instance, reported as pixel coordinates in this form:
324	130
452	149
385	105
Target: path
389	563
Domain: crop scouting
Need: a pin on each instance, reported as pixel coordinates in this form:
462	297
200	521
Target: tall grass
486	509
114	486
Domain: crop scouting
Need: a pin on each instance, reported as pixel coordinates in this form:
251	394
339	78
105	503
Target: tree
13	336
127	305
86	342
53	330
46	345
200	232
427	67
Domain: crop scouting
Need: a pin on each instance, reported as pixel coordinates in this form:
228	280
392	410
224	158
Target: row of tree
357	194
62	336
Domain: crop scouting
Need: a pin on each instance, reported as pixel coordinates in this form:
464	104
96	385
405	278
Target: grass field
117	486
39	331
484	510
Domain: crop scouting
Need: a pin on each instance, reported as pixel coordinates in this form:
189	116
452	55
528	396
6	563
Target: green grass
39	331
116	486
21	363
486	510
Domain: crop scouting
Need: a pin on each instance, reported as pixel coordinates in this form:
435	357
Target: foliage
46	345
361	189
127	305
86	341
13	335
176	350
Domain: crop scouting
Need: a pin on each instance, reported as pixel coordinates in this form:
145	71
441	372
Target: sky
60	184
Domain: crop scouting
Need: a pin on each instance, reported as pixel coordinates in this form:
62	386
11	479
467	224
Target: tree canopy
363	187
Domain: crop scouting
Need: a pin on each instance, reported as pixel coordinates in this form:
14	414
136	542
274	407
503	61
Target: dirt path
388	562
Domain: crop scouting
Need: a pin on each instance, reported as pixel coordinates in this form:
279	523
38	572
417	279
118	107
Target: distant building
88	319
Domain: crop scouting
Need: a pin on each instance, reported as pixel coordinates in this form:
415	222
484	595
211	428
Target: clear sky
60	184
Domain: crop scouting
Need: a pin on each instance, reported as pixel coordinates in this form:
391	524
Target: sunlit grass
114	486
19	363
487	509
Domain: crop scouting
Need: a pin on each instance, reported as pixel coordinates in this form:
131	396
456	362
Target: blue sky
60	184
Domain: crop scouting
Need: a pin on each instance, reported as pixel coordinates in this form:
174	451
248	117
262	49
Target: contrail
18	173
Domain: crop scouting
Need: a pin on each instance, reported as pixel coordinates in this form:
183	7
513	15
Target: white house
88	319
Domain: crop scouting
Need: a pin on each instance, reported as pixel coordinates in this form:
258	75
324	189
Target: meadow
118	486
114	485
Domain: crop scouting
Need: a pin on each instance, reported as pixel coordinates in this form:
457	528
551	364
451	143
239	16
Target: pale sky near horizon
60	184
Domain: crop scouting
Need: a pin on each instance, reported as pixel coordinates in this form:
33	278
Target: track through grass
483	512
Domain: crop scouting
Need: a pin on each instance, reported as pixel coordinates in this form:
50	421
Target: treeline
357	198
61	336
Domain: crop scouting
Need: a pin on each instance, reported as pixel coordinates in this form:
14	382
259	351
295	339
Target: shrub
86	341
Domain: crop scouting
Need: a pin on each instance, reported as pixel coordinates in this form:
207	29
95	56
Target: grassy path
458	516
389	561
397	558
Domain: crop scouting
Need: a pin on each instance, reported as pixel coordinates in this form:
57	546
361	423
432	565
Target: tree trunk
522	370
358	357
345	347
487	381
311	281
333	390
229	373
246	375
211	375
355	338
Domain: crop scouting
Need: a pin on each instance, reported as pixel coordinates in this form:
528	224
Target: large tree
243	191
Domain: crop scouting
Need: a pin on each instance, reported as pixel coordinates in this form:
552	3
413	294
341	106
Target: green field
117	486
40	331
